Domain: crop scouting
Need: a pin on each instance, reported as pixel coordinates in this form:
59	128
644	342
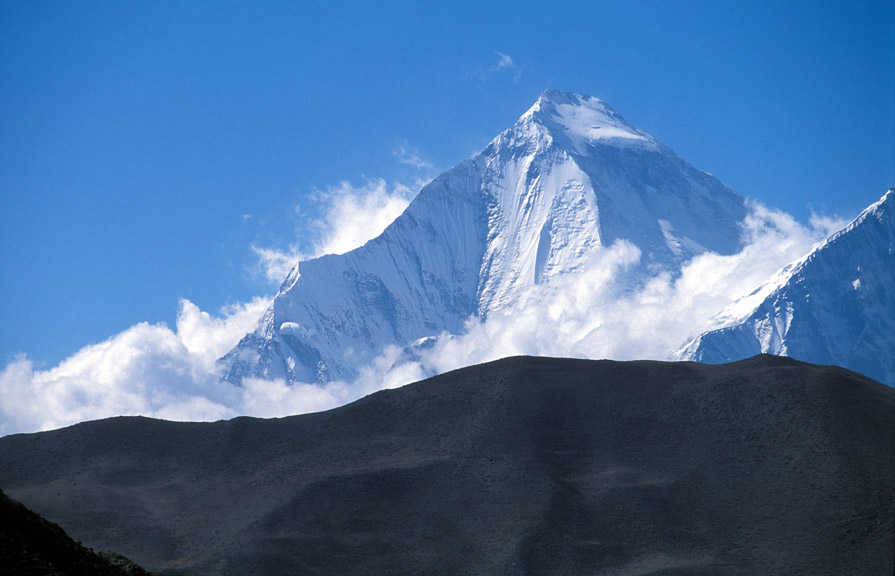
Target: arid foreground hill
521	466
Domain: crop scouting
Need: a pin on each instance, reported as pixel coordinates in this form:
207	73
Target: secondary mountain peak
832	306
582	121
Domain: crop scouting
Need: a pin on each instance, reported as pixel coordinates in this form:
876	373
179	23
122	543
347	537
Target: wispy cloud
505	63
411	157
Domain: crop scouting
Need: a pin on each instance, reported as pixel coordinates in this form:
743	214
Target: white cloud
155	371
276	264
826	224
349	217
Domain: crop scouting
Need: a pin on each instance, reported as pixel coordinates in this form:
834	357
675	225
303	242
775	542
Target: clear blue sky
135	136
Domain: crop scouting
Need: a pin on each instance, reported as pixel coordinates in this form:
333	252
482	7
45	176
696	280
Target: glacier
836	305
567	180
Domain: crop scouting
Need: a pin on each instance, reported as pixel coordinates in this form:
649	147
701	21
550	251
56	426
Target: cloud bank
155	371
147	369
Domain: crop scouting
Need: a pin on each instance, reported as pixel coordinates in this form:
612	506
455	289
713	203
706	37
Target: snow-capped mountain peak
569	178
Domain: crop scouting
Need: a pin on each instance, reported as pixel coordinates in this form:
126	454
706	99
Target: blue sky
148	147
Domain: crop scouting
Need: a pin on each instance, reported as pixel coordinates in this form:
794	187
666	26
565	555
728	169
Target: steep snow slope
568	178
834	306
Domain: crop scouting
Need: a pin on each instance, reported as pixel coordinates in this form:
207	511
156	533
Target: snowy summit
584	121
